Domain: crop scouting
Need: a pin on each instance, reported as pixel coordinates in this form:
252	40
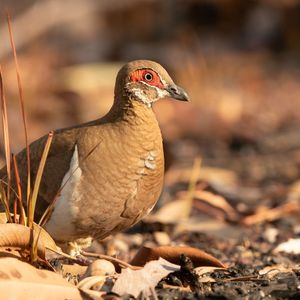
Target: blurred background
238	60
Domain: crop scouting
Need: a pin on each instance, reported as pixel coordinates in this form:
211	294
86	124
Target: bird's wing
57	165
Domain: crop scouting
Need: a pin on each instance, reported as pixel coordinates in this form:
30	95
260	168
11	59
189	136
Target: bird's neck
132	112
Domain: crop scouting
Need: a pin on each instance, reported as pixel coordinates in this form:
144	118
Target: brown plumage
120	181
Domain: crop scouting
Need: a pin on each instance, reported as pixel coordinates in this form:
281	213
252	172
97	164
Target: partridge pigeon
112	168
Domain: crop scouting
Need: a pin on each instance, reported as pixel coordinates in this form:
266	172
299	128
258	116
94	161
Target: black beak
178	93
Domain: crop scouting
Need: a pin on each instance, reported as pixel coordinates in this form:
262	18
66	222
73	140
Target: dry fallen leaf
172	254
135	281
74	269
169	213
20	280
93	295
271	214
89	282
271	271
291	246
18	236
204	273
210	203
204	270
217	203
208	174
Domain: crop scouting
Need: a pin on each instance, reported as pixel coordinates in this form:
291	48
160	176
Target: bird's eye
148	76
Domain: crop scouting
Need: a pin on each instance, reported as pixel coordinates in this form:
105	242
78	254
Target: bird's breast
114	186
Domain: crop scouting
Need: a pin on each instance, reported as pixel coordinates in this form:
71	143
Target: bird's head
147	81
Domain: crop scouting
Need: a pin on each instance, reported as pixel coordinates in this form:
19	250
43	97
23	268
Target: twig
175	287
111	259
244	278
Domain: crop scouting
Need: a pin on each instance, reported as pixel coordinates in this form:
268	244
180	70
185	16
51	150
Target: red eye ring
148	76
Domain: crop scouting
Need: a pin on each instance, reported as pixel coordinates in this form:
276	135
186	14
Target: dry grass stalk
192	187
36	186
4	201
5	195
35	236
19	199
31	198
21	98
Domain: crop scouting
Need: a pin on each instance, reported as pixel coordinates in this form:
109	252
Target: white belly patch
60	225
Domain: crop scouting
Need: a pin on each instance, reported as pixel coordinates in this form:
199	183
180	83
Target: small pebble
162	238
100	267
137	239
270	235
297	229
120	246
